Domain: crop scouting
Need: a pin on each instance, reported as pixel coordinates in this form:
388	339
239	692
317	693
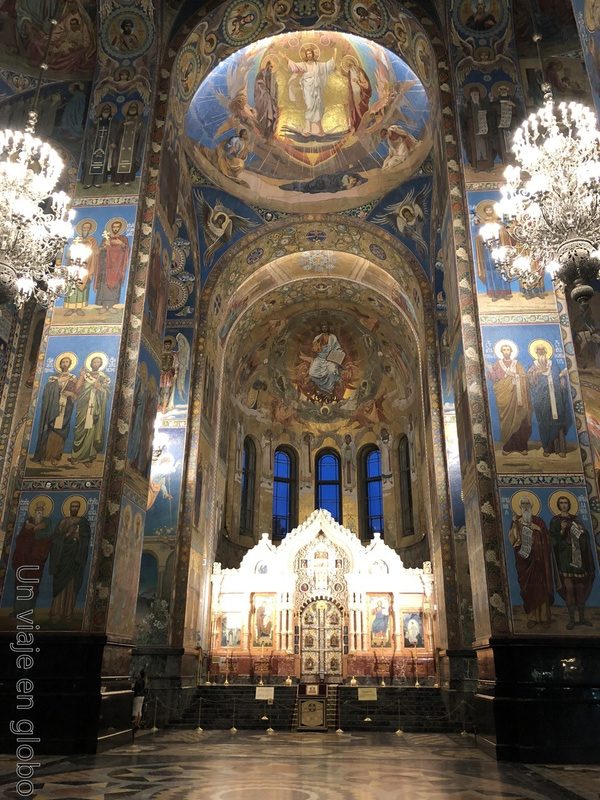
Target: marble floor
185	765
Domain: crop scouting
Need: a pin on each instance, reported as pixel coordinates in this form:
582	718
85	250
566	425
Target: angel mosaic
174	369
220	224
408	216
126	81
483	58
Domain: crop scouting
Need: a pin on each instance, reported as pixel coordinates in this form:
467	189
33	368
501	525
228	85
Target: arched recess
206	33
394	299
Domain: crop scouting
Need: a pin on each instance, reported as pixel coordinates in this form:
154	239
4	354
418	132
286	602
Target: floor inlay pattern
185	765
585	776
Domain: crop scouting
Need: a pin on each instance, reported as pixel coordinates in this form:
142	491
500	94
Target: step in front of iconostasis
389	708
222	707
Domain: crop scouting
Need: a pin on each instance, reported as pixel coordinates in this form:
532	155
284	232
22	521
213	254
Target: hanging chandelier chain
33	113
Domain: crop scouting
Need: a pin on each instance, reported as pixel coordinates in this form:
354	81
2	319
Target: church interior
299	444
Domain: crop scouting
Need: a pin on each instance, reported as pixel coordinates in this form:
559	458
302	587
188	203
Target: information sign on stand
367	693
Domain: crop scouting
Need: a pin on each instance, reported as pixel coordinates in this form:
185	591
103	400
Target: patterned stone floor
185	765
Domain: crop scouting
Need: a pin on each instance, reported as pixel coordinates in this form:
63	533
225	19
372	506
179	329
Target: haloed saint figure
325	367
325	370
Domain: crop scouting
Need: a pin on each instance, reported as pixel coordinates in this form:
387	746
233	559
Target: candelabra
382	667
549	206
261	663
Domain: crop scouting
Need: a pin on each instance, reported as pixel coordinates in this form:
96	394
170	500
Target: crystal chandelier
34	218
550	202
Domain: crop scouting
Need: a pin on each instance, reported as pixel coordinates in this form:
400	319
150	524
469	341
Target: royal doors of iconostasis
321	637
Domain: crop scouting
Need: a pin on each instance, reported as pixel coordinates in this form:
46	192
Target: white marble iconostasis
321	607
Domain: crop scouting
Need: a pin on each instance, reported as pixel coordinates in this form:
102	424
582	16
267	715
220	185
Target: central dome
309	117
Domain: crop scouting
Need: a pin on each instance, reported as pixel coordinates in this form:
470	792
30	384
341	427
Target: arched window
248	480
371	495
406	501
328	494
285	492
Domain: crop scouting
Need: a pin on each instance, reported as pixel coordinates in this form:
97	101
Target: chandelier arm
544	212
16	228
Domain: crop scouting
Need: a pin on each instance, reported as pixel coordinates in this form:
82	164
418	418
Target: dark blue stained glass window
328	485
406	500
284	493
248	481
371	492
